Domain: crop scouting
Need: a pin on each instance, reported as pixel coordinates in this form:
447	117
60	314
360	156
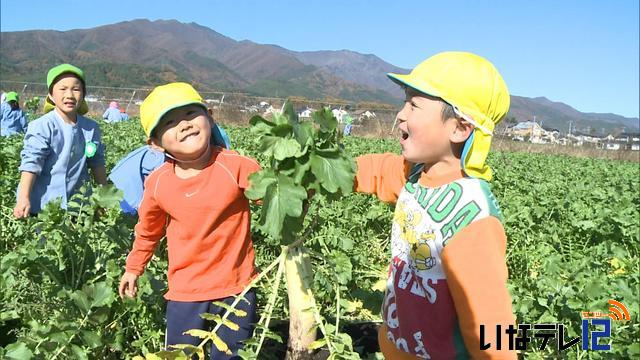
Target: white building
306	113
339	114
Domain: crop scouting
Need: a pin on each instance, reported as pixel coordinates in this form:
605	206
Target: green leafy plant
304	158
31	105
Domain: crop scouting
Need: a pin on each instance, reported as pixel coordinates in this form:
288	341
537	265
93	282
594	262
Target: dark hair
448	111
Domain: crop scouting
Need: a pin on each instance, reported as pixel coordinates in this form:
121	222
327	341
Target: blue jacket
50	147
112	115
130	172
12	121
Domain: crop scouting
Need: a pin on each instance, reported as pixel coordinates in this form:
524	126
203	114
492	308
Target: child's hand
128	285
22	208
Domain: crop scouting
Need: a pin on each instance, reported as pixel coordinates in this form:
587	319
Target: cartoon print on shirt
421	258
419	248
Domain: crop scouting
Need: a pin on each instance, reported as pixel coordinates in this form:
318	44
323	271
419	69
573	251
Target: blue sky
583	53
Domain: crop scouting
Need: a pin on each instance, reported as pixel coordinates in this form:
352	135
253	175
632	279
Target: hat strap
470	119
465	152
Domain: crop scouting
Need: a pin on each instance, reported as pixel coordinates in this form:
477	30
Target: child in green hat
60	146
12	119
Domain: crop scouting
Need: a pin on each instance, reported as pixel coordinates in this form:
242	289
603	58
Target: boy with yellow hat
60	146
448	271
197	199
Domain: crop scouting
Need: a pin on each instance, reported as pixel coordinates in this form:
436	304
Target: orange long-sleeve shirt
448	271
207	222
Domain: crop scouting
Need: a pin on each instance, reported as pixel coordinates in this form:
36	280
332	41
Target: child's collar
65	117
436	176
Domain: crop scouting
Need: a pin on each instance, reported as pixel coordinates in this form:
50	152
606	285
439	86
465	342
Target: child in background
197	199
12	119
112	114
448	271
59	146
348	123
123	115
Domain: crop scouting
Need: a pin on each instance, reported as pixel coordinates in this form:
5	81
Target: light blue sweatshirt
112	115
12	121
57	153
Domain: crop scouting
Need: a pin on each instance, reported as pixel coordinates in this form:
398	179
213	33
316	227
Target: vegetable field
573	244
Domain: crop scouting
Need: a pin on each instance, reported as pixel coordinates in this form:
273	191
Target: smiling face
67	94
184	132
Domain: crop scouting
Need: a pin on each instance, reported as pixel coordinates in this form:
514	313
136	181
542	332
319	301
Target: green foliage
303	157
31	106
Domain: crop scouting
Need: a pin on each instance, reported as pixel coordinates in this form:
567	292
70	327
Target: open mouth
404	135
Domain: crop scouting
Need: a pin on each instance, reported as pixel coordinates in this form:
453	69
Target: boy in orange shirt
448	271
197	199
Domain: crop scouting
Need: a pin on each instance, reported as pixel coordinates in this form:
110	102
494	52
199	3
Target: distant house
526	128
270	110
339	114
362	115
623	141
306	113
582	139
533	132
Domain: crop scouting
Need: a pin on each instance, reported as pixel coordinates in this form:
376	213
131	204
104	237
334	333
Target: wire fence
232	107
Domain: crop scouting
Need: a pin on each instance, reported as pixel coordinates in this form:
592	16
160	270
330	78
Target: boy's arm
97	161
23	121
23	203
100	174
474	262
383	175
149	230
34	152
36	148
248	167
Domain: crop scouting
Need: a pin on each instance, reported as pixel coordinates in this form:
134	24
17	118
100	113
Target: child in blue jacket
112	114
12	119
60	146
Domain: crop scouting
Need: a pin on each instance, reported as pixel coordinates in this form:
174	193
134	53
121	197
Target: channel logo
618	312
595	326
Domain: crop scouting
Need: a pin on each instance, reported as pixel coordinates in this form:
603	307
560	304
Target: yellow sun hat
477	92
53	74
165	98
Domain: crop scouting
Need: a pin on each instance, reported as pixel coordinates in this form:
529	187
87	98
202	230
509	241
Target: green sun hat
12	96
54	73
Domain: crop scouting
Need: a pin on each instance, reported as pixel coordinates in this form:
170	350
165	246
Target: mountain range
143	53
